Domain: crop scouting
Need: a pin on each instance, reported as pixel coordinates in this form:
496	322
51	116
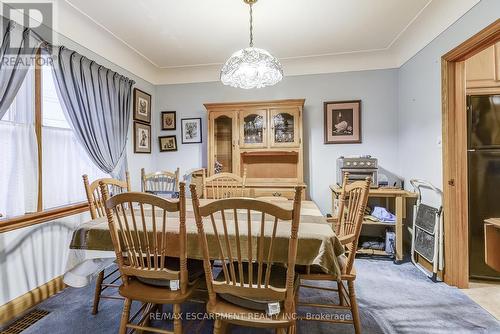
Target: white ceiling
194	32
187	40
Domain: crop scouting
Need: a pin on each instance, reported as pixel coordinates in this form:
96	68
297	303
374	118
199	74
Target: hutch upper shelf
263	137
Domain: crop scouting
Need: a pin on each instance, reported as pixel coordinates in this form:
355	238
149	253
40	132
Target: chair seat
315	273
195	271
239	315
277	279
351	276
147	293
313	269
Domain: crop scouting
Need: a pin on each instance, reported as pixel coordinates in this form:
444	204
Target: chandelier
251	67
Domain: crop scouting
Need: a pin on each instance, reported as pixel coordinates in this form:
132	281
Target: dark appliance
483	136
359	168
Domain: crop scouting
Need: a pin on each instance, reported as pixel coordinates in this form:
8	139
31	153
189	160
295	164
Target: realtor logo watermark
36	16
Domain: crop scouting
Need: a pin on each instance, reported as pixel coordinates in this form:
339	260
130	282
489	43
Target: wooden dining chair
224	185
150	274
352	204
249	282
96	209
195	176
160	183
341	208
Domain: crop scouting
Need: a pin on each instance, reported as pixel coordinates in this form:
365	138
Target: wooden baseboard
21	304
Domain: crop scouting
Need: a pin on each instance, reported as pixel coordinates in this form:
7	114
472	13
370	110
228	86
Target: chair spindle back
94	195
352	205
157	183
232	221
138	226
224	185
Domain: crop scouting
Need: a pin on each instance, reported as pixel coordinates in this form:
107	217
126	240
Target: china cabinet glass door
223	143
285	127
253	126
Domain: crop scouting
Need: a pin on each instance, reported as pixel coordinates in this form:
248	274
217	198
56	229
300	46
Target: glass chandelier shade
251	67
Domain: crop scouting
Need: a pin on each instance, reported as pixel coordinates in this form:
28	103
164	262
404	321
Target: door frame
454	132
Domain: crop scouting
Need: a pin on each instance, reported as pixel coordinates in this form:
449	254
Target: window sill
36	218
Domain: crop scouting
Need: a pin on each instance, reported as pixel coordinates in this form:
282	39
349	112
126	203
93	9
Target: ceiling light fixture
251	67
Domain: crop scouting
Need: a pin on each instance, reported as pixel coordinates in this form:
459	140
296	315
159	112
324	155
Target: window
52	112
63	159
18	157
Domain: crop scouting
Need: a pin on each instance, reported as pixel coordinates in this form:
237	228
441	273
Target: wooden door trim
453	84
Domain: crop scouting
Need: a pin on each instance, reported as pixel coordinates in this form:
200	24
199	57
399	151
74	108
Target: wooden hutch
264	137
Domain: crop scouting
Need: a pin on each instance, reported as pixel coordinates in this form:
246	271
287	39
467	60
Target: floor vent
25	321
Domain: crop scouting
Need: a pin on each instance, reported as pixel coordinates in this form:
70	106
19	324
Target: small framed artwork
191	130
342	122
168	120
168	143
142	138
142	106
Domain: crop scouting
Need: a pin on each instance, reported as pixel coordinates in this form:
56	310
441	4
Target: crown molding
357	61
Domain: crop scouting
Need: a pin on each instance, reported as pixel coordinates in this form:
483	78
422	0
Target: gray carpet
392	299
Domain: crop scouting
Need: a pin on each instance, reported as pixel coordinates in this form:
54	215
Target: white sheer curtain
64	161
18	154
63	164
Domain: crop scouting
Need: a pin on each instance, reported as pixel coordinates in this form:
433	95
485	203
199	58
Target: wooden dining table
318	245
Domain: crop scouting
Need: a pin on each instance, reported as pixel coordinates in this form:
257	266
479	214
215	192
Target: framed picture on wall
142	138
168	121
142	106
191	130
342	122
168	143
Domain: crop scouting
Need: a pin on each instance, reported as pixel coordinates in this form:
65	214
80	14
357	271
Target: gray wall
419	97
376	89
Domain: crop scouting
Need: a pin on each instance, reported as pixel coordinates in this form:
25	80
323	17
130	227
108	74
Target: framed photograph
142	138
142	106
168	121
191	130
342	122
168	143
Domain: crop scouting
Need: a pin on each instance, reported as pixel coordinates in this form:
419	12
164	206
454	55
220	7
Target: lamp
251	67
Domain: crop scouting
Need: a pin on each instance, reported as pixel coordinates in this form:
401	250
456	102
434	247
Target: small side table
399	196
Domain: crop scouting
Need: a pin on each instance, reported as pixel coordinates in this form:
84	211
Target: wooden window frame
38	124
455	203
40	216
